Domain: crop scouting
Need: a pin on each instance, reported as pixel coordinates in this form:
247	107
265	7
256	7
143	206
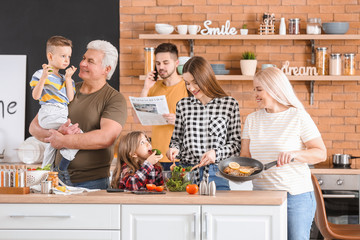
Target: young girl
136	164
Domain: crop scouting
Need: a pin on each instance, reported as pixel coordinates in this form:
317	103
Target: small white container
335	65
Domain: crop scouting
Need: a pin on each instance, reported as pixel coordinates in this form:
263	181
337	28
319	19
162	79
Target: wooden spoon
194	167
172	166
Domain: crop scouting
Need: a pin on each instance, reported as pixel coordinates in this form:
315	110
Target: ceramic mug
267	65
181	29
194	29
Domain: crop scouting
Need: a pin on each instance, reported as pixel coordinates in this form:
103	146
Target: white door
160	222
244	222
59	235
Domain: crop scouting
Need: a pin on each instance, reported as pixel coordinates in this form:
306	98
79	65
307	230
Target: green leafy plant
244	26
249	55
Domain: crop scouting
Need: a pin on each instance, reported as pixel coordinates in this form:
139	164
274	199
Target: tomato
183	169
192	188
150	187
159	188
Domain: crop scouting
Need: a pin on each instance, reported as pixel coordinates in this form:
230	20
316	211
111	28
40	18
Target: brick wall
336	104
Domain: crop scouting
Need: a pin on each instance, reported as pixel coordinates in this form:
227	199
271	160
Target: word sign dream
224	30
298	71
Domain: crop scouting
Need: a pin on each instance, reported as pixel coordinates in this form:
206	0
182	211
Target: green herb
249	55
244	26
158	152
46	168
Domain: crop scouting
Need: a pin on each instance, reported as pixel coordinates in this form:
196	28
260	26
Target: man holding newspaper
172	86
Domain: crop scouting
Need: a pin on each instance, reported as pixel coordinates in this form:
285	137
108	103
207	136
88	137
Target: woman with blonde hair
207	125
283	131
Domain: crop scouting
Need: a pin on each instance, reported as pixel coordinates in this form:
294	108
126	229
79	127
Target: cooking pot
244	161
342	160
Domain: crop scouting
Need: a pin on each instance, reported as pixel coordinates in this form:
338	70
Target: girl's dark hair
204	76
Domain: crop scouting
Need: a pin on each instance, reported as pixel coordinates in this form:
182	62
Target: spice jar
54	178
322	61
335	64
294	26
149	59
313	26
349	64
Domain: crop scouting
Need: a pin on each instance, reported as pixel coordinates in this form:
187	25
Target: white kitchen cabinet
34	221
60	234
244	222
210	222
160	222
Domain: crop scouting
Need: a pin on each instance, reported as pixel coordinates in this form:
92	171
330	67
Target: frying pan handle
273	163
354	157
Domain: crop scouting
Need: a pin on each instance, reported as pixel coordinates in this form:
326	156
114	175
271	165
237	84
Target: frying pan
244	161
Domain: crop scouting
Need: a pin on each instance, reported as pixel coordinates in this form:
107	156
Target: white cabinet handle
207	219
206	229
194	225
39	216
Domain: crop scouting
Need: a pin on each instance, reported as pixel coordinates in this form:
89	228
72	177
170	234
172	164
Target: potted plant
248	63
244	30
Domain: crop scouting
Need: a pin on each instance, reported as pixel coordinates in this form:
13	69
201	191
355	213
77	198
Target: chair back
320	214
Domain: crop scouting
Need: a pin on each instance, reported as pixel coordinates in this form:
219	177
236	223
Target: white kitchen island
174	215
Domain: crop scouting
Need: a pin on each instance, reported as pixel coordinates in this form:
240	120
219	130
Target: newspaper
149	110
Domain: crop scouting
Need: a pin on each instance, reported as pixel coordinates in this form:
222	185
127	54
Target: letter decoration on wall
223	30
298	71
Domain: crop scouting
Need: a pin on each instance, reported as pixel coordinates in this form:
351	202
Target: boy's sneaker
64	176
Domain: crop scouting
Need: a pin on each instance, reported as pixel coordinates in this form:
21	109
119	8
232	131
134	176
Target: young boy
54	92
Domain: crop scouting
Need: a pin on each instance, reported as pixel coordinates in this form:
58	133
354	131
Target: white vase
244	31
248	67
282	29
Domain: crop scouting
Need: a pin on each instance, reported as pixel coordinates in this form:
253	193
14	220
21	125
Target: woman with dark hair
207	125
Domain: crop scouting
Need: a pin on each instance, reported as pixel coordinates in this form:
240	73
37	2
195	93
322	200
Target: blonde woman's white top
272	133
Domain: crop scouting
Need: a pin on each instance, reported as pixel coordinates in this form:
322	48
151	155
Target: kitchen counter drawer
59	234
60	216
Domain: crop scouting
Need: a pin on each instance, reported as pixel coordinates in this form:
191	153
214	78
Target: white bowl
162	28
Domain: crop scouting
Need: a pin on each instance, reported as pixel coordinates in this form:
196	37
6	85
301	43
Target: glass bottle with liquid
322	61
349	64
149	59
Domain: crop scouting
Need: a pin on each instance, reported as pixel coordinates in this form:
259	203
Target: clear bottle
313	26
294	26
322	61
349	64
149	59
335	64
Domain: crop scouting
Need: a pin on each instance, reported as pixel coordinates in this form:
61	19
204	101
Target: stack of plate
219	69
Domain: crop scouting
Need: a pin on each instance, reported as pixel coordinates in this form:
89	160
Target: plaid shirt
145	175
200	128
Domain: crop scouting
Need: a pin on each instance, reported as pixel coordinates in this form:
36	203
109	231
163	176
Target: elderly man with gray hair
99	110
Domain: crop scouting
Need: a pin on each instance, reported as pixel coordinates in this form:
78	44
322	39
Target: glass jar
313	26
335	64
149	59
294	26
349	64
322	61
54	178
